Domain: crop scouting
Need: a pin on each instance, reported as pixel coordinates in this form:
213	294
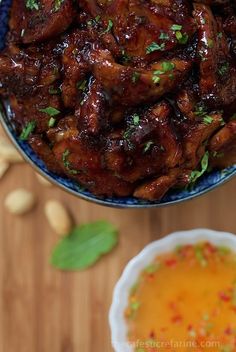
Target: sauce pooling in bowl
185	301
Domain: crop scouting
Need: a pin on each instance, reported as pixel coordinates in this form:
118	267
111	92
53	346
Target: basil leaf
84	246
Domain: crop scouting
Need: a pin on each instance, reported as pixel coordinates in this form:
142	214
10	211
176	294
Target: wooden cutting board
44	310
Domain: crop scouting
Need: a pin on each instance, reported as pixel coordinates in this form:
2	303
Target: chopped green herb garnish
181	37
155	47
147	146
210	43
223	69
109	27
82	85
51	122
50	111
135	77
57	4
167	66
94	21
156	79
220	35
67	163
136	119
176	27
32	4
207	120
54	91
152	268
28	129
204	165
164	36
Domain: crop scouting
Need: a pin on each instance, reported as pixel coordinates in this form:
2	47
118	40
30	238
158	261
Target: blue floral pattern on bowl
208	182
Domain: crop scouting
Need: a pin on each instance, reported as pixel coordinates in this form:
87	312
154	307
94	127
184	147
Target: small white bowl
143	259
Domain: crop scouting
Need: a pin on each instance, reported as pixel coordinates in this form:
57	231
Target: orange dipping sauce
185	301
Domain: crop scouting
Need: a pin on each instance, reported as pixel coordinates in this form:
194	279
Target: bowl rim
132	270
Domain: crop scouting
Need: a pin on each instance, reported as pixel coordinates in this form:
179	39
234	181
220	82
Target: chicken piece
218	74
40	108
186	102
23	71
36	21
193	137
90	112
83	162
223	146
156	189
66	128
129	86
147	146
41	148
144	29
75	68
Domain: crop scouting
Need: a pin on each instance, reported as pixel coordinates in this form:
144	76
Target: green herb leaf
223	69
67	163
135	77
28	129
176	27
167	66
181	37
84	246
147	146
50	111
204	165
155	47
207	120
136	119
57	5
51	122
109	27
82	85
164	36
32	4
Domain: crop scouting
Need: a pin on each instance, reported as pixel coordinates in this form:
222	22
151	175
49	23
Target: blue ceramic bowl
206	183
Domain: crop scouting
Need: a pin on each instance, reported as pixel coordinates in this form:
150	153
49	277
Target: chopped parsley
32	4
136	119
181	37
147	146
166	67
219	35
176	27
207	120
67	163
27	130
155	47
164	36
51	122
210	43
57	5
82	85
204	165
93	21
50	111
135	77
54	91
223	69
109	27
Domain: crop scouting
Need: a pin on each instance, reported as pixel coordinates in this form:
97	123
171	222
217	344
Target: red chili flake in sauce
171	262
224	297
228	331
176	318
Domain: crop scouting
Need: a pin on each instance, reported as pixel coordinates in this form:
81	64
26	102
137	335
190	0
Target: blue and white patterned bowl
206	183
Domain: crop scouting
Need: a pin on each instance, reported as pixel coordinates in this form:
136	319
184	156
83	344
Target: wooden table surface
45	310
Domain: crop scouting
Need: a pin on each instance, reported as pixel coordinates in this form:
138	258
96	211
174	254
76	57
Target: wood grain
44	310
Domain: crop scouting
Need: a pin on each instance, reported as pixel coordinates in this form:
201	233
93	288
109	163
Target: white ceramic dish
143	259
